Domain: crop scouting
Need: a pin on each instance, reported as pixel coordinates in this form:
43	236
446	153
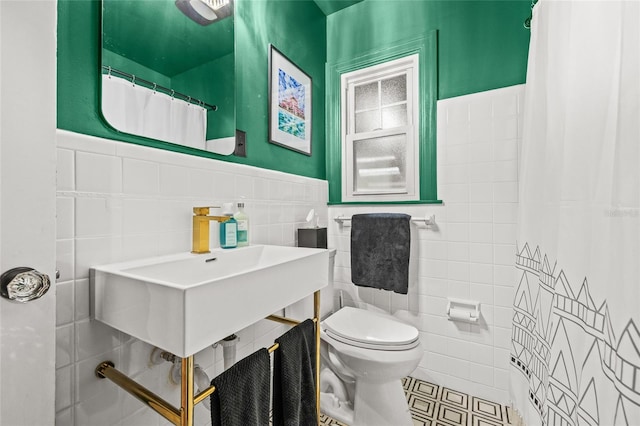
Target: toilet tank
303	309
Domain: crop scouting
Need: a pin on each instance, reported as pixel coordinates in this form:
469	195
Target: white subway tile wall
119	201
469	255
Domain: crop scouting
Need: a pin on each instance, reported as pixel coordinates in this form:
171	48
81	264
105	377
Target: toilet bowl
365	355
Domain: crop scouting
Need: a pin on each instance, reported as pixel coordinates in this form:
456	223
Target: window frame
425	45
408	66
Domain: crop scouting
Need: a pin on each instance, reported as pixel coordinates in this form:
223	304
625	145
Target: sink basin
185	302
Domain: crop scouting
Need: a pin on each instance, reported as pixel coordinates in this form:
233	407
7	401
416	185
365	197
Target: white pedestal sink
185	302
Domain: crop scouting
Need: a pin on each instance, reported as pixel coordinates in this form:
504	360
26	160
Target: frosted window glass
366	96
394	89
380	164
367	121
394	116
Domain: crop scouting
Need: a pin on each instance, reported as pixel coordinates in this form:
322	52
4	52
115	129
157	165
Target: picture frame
290	104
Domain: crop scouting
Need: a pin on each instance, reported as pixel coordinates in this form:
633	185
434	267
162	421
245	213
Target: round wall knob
23	284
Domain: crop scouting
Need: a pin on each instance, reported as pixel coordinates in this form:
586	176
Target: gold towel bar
211	389
107	370
287	321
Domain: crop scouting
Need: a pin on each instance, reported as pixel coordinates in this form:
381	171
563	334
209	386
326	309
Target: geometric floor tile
328	421
433	405
425	406
455	398
486	408
407	383
477	420
452	415
424	389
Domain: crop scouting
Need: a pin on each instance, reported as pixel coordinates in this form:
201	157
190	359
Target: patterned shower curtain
575	355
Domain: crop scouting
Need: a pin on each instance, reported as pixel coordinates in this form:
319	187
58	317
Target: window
380	123
385	147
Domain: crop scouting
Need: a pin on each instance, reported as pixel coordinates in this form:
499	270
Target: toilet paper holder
463	310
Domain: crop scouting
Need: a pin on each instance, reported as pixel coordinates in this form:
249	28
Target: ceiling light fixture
205	12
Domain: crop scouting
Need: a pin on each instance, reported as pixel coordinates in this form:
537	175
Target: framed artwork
289	104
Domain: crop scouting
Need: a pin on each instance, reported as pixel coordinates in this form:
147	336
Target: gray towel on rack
380	246
242	392
294	372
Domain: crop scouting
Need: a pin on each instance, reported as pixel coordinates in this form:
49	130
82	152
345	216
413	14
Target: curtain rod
155	86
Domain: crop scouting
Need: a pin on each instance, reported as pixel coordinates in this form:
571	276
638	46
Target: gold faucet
201	221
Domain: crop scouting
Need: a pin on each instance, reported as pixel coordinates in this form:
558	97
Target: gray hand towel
242	392
380	246
294	372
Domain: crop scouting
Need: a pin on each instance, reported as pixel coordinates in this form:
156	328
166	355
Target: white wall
118	201
469	255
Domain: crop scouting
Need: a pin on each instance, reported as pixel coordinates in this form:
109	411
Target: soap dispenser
228	228
243	225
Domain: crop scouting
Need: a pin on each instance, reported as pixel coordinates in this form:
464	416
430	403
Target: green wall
220	123
482	44
297	28
121	63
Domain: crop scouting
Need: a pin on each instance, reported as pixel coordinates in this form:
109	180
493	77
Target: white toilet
364	357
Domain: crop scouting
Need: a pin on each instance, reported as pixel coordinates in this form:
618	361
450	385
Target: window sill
363	203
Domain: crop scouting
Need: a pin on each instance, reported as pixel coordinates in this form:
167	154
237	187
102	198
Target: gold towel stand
184	415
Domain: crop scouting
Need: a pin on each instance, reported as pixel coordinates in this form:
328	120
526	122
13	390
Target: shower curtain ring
133	80
155	85
189	100
109	75
173	92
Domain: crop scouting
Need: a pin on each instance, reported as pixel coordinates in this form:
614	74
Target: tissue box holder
312	237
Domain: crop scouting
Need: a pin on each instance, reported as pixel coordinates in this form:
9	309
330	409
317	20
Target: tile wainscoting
469	254
118	201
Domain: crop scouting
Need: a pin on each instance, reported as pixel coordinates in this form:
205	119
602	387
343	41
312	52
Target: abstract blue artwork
289	104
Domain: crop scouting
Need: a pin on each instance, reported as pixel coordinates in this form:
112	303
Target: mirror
168	76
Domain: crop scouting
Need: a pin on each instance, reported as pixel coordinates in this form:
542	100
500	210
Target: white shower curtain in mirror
137	110
575	355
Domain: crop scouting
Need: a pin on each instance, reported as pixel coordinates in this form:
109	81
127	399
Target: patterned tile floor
433	405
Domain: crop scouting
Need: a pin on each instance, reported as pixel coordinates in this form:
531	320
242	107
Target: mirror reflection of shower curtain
575	355
140	111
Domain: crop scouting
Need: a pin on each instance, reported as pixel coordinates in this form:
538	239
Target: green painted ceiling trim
425	45
374	203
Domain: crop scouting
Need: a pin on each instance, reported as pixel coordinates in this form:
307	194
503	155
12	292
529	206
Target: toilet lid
370	330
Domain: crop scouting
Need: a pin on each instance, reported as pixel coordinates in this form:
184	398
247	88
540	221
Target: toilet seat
370	330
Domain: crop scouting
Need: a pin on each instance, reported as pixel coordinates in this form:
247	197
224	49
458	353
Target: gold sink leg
186	394
316	314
